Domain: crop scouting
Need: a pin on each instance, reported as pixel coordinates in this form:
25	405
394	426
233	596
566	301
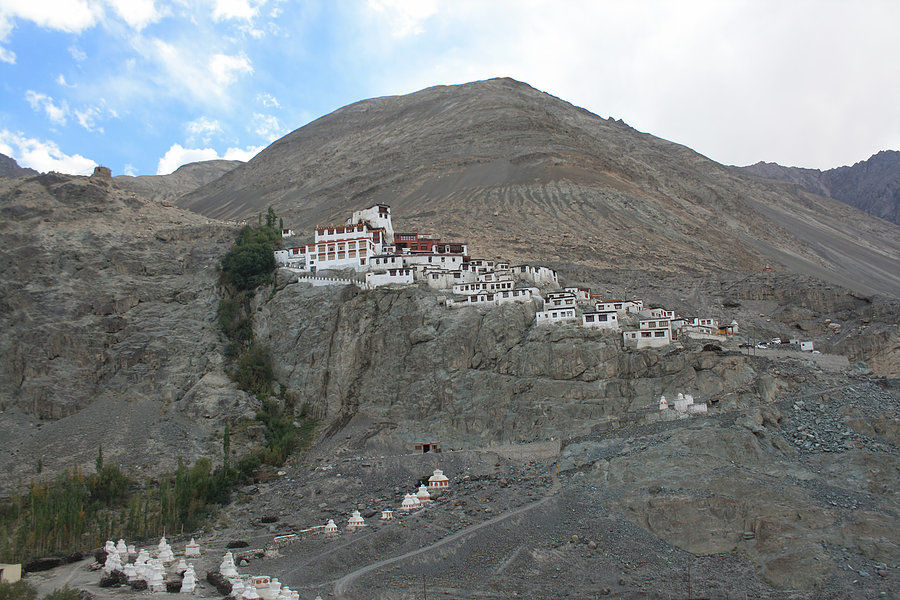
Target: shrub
65	593
254	370
19	590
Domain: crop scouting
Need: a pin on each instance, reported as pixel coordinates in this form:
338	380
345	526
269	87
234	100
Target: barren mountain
871	185
525	175
10	168
185	179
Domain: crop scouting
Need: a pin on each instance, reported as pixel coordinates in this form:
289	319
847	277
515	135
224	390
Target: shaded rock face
467	376
108	307
526	176
10	168
871	185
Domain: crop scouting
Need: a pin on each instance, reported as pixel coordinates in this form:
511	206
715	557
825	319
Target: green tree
98	464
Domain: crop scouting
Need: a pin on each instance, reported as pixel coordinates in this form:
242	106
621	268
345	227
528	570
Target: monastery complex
367	245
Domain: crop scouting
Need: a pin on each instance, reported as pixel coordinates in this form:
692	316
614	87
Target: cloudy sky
143	86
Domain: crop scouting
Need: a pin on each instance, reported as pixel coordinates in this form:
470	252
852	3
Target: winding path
342	585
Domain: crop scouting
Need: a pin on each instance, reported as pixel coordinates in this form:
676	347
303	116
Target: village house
647	337
555	315
555	300
539	276
622	306
286	233
390	277
581	294
605	320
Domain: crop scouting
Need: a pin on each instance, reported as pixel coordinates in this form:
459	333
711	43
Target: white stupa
356	520
165	551
331	526
237	586
113	563
142	557
110	547
387	515
155	579
192	548
189	581
438	480
682	403
410	502
131	549
227	568
249	594
122	549
663	403
181	566
130	571
423	495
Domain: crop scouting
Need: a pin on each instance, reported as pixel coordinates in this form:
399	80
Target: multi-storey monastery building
367	244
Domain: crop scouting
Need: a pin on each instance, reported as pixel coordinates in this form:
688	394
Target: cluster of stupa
438	481
683	404
259	587
151	569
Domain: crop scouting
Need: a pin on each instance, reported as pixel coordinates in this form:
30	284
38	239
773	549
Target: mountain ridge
872	185
527	176
10	168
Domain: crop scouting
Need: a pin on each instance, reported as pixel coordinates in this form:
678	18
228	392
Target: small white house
286	233
390	277
556	300
603	320
581	294
647	338
806	346
555	315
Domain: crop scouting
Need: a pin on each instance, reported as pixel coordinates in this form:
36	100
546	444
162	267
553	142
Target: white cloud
77	53
203	129
71	16
43	155
405	17
267	127
177	156
268	100
57	113
234	9
129	170
87	118
243	154
226	68
61	80
137	13
6	55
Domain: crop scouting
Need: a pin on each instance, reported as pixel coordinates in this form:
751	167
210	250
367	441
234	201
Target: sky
144	86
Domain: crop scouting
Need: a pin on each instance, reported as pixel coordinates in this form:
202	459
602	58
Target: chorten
356	520
192	548
130	571
165	551
189	581
438	480
423	495
387	515
663	403
226	567
155	580
250	594
181	567
113	563
122	549
410	502
331	527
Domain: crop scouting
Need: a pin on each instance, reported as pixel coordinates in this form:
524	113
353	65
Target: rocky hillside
10	168
185	179
108	308
871	185
525	175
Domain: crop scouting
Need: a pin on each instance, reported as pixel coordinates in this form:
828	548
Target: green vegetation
21	590
254	370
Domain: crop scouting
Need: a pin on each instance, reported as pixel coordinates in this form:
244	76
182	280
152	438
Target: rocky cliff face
872	185
469	377
107	304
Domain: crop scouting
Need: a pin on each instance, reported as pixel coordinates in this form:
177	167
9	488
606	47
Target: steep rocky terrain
185	179
107	306
871	185
10	168
525	175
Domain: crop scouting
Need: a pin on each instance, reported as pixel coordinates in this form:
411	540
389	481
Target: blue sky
143	86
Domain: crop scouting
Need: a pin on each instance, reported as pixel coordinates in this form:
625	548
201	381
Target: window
588	318
660	334
645	334
601	317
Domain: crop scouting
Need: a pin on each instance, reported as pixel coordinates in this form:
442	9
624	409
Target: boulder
43	564
219	581
114	579
173	587
269	519
138	585
237	544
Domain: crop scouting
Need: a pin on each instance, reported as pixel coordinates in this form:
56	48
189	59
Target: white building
623	306
806	346
286	233
356	520
647	338
556	300
376	217
491	284
581	294
539	276
492	298
390	277
603	320
555	315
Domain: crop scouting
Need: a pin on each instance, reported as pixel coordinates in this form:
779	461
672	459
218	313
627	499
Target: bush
251	261
65	593
254	370
19	590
